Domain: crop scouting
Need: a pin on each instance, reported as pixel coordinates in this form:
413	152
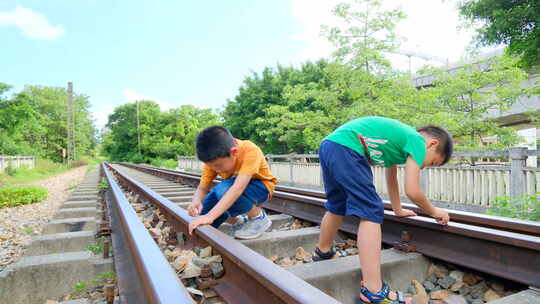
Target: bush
167	163
78	163
526	207
19	195
10	170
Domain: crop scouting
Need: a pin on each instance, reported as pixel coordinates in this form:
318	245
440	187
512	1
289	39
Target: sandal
381	297
320	256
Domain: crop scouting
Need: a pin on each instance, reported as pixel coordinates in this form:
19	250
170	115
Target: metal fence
476	185
16	162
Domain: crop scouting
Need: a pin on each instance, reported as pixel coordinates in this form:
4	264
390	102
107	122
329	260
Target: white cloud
311	15
102	111
430	28
132	95
33	24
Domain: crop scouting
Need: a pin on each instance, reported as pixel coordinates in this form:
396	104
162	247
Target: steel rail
249	277
144	276
496	222
506	254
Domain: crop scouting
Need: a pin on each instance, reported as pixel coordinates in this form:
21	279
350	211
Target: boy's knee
222	188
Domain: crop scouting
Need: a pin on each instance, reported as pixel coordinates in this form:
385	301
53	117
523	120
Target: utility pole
70	124
138	128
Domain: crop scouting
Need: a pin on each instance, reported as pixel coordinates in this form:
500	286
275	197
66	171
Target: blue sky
175	52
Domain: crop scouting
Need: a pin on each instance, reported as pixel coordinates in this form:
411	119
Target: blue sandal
320	256
381	297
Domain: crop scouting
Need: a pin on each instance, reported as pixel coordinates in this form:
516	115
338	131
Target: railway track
483	243
144	275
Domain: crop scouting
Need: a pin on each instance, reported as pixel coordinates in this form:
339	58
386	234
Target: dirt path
18	224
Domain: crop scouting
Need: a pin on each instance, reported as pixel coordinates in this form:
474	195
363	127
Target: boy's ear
234	151
432	142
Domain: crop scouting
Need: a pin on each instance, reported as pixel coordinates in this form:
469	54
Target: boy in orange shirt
247	183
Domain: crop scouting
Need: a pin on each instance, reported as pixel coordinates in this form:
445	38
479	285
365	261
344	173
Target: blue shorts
348	183
254	194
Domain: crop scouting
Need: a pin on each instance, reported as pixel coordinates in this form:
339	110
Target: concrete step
180	199
87	188
173	188
79	204
70	225
75	212
183	205
35	279
282	243
85	192
83	197
175	193
528	296
60	242
340	277
277	220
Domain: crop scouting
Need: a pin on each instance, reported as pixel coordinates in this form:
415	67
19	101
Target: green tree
33	122
513	23
469	99
163	134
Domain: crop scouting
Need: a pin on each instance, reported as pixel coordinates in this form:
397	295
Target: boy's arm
196	203
224	203
415	194
393	193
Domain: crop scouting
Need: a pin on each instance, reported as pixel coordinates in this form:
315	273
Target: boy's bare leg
254	212
231	220
369	252
329	227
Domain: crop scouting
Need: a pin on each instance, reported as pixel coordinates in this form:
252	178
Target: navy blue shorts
348	183
254	194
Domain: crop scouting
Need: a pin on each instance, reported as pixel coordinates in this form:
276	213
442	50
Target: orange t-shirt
250	161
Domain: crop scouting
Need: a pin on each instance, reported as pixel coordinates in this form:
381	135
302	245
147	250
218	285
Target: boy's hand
405	212
194	208
441	216
199	221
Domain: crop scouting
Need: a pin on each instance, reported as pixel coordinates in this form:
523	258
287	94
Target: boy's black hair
446	145
214	142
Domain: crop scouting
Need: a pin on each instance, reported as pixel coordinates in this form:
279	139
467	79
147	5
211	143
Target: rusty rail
507	254
249	277
144	276
488	221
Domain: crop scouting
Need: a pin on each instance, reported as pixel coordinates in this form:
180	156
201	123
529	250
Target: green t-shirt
389	141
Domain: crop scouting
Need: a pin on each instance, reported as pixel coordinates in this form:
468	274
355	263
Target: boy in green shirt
345	157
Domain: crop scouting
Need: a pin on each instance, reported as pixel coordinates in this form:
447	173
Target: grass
11	196
28	230
43	169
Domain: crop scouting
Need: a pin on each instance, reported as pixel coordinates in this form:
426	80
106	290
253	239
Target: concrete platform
282	243
60	242
528	296
340	278
75	212
35	279
70	225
